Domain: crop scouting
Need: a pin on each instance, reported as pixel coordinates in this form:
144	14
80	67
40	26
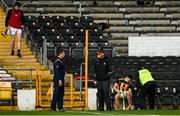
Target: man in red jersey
15	19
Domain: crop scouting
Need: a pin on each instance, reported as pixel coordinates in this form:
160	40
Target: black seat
168	96
66	32
93	47
77	50
30	18
86	19
70	19
52	31
44	19
71	38
89	25
57	19
47	25
60	25
95	32
32	25
56	38
75	25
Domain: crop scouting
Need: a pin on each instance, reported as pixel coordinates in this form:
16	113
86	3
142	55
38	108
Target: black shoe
19	54
109	109
101	109
12	52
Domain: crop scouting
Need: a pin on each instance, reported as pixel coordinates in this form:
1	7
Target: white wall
154	46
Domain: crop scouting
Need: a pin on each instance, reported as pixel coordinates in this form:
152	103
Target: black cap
17	4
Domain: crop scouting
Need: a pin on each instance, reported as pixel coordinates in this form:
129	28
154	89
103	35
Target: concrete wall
154	46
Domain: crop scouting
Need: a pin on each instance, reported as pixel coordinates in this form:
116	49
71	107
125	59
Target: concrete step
20	64
46	72
39	67
18	60
8	40
5	53
22	49
26	77
14	57
8	47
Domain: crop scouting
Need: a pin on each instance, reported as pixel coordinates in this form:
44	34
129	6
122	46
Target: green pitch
105	113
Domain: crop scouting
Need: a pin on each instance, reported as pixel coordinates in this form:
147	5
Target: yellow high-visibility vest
145	76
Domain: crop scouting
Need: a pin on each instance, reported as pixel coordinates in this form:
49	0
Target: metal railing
22	69
81	75
5	7
50	90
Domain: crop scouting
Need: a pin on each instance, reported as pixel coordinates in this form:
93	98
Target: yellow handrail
86	72
50	90
37	88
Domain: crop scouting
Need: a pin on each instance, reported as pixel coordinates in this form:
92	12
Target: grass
106	113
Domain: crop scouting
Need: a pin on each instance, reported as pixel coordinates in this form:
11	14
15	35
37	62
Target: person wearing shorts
122	88
15	19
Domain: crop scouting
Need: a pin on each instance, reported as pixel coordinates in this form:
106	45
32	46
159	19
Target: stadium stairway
29	60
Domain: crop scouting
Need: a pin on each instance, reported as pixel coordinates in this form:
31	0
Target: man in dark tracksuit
147	87
102	80
59	73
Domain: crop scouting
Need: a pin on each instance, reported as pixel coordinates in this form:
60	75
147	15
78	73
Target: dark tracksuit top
102	68
14	18
59	71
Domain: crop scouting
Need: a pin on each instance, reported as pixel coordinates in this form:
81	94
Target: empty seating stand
69	30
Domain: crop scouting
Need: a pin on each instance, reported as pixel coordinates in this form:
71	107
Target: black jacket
102	70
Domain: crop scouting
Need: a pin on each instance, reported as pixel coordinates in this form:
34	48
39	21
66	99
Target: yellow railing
50	90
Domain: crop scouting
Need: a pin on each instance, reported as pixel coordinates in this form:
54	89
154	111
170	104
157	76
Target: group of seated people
122	88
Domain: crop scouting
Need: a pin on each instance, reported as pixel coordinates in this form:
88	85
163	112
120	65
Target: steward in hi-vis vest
147	88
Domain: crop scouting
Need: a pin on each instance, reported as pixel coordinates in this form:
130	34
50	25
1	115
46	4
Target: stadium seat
168	96
47	25
30	19
32	25
44	19
6	91
70	19
86	19
77	50
57	19
60	25
93	47
75	25
56	38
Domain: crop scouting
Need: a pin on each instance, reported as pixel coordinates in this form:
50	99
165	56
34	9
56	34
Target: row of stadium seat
58	19
77	50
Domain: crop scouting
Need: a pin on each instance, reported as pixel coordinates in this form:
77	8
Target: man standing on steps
15	19
58	79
